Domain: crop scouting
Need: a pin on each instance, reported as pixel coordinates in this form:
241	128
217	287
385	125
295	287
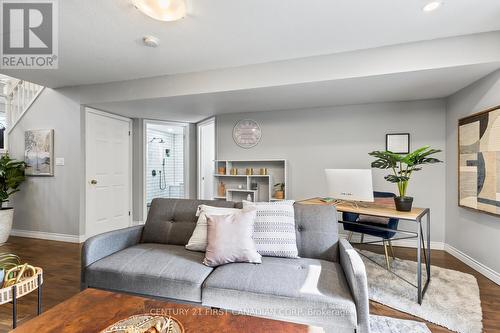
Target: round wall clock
247	133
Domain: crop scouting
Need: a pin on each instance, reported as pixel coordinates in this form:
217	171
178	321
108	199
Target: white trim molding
11	127
402	242
48	236
473	263
466	259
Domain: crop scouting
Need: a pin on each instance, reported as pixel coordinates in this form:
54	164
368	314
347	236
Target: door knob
93	182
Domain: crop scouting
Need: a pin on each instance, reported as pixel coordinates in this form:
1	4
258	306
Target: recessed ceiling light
151	41
163	10
431	6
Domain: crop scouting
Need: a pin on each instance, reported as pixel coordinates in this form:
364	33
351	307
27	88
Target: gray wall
51	204
57	204
341	137
474	233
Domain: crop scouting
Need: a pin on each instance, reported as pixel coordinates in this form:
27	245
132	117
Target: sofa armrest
103	245
355	273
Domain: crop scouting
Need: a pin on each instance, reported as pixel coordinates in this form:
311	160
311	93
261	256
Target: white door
108	172
206	156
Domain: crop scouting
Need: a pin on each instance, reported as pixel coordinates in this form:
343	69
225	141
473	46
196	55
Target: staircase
18	95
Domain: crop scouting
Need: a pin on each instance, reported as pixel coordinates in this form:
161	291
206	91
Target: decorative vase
6	216
403	204
221	190
279	194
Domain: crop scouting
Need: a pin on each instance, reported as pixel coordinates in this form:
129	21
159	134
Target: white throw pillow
198	240
274	228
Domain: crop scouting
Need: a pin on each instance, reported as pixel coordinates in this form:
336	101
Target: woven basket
24	287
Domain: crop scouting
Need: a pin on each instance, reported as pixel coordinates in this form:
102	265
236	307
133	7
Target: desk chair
363	227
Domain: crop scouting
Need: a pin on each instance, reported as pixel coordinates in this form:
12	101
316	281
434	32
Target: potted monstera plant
402	167
11	177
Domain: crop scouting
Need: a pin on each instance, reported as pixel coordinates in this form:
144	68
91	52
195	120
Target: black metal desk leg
14	307
419	261
428	246
39	308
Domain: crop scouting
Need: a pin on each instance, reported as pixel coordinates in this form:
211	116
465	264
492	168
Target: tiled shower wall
173	183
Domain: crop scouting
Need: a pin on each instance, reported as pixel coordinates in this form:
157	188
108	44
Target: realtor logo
29	34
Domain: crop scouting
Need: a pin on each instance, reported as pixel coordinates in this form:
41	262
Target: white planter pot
6	216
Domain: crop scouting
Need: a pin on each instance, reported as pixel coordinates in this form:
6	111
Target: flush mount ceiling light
163	10
431	6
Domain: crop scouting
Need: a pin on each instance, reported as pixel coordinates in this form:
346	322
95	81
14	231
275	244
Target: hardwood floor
61	264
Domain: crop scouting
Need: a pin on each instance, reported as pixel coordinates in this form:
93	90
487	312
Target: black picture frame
402	135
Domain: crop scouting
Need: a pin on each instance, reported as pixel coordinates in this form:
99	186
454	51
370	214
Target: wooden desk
381	208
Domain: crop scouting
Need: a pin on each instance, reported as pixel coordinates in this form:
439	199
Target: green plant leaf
11	176
403	165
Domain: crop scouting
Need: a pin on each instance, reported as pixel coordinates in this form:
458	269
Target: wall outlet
59	160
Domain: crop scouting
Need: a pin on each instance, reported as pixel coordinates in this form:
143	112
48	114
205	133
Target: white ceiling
100	40
426	84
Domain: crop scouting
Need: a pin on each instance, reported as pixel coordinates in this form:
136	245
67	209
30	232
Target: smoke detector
151	41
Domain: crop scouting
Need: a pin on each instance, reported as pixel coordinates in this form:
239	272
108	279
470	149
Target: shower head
159	140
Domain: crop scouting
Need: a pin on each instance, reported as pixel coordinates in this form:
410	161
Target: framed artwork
398	143
39	152
479	161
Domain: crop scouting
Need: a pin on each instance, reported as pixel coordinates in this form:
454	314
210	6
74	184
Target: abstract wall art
39	152
479	161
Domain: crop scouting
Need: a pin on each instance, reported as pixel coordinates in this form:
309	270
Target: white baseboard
466	259
473	263
402	242
48	236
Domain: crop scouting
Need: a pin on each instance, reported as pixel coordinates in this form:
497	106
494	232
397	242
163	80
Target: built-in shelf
276	173
219	175
239	190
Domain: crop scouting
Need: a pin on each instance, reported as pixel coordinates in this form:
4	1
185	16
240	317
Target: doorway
108	162
206	157
165	160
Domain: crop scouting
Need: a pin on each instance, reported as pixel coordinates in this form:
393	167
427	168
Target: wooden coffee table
93	310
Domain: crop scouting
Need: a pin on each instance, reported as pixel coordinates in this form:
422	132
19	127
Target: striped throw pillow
274	228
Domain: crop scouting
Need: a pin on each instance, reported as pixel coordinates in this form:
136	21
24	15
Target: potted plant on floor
11	177
402	167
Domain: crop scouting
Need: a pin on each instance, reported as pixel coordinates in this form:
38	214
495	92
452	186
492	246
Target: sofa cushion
317	231
301	290
274	228
172	221
198	240
158	270
229	238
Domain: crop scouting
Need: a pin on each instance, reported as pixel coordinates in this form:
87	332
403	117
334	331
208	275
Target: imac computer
353	185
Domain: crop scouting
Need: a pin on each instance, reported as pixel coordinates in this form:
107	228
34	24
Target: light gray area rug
380	324
452	299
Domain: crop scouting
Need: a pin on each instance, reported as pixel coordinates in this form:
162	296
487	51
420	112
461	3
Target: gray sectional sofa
325	287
